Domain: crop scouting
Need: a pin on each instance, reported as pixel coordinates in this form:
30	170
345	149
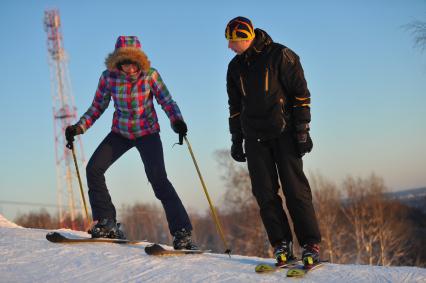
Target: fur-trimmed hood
127	48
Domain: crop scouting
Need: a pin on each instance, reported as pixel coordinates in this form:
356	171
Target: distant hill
413	197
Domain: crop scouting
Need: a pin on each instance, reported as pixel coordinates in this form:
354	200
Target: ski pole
70	145
215	218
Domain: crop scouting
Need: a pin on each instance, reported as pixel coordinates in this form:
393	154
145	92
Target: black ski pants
151	151
277	158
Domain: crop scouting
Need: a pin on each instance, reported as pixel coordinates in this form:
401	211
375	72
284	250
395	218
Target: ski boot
310	255
283	253
107	228
182	240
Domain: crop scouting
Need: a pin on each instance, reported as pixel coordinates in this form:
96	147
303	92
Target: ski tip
296	272
261	268
55	237
154	246
154	249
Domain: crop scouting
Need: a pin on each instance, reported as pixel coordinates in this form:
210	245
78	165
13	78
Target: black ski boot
283	253
107	228
182	240
310	255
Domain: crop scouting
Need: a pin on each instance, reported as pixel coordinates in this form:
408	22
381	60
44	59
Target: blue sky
366	79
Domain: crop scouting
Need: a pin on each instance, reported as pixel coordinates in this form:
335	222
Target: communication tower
64	114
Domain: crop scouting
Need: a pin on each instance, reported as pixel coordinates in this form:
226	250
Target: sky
366	78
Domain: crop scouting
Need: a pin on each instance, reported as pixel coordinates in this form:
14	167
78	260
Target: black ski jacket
267	90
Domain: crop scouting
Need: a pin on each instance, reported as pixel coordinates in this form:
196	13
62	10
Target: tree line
358	223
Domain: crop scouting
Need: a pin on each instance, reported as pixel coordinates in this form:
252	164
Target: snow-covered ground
26	256
6	223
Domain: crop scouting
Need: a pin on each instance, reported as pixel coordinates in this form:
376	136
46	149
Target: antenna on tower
64	114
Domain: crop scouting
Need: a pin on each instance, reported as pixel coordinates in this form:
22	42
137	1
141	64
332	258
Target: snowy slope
6	223
26	256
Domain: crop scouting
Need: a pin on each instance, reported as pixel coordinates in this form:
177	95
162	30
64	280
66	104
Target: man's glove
303	139
237	151
72	131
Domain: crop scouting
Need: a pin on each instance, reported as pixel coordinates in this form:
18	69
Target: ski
267	267
157	250
57	237
300	270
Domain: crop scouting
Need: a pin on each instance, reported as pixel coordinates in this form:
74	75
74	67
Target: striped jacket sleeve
99	104
293	77
163	97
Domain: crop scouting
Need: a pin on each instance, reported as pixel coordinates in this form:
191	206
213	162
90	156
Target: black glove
179	127
72	131
303	139
237	151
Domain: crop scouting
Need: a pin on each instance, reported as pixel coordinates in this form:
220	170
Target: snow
26	256
6	223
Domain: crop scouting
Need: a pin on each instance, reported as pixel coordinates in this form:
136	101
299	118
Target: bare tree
328	206
145	221
354	211
243	222
395	235
205	233
379	227
41	219
237	181
418	30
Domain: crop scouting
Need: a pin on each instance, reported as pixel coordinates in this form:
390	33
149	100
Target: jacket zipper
282	105
242	85
267	81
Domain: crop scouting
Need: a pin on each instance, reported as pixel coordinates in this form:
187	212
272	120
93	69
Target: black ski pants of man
268	160
151	152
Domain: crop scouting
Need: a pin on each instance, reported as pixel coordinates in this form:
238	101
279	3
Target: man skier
269	105
132	84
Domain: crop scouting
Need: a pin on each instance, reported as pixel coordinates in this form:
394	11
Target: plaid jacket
134	114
